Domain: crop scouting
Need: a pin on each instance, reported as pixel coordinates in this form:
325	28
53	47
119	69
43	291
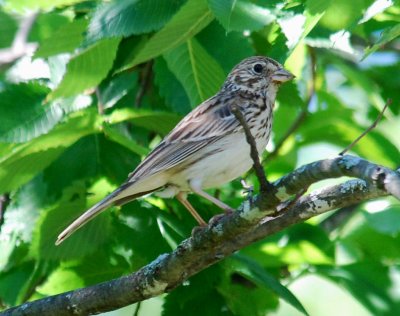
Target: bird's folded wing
211	121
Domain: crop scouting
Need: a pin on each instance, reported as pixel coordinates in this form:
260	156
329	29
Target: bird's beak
282	75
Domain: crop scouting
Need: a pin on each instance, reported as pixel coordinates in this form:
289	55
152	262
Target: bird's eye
258	68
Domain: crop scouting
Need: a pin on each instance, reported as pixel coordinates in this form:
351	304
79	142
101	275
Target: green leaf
112	91
260	276
367	240
23	5
121	139
200	294
22	213
342	14
191	18
87	69
13	281
64	40
317	6
335	124
70	275
199	73
386	221
24	161
388	35
369	282
259	299
45	24
217	42
136	233
315	10
170	88
8	27
87	159
128	17
52	221
59	281
24	116
160	122
237	15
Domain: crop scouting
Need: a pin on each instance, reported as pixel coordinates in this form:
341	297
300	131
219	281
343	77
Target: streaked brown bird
208	147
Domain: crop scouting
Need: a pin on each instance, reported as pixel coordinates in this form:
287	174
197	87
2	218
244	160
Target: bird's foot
248	189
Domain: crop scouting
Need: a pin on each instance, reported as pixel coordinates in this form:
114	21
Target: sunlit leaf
22	5
238	15
119	138
161	122
387	221
127	17
387	36
26	160
87	69
24	116
64	40
112	91
367	282
191	18
342	14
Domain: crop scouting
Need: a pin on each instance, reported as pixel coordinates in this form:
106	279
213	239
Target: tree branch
370	128
226	235
145	81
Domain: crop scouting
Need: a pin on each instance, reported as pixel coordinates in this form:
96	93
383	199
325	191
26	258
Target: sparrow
208	147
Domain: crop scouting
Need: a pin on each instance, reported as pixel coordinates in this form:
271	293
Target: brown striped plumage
208	147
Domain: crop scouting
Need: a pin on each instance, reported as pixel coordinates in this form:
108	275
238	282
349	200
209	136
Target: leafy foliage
109	79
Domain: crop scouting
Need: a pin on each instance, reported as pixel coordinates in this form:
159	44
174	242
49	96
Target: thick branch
226	235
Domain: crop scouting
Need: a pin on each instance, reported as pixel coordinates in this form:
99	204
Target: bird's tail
87	216
115	198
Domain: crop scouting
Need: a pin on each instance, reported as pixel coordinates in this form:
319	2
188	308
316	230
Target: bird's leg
197	189
248	189
181	196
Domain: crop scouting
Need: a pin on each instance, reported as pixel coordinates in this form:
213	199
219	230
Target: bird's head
256	74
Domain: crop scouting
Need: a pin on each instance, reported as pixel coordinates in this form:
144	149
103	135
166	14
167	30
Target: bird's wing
210	121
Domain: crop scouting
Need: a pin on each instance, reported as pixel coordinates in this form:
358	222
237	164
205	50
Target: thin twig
100	105
137	309
370	128
259	170
304	111
146	79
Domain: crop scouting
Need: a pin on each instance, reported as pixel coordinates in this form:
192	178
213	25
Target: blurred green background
87	88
